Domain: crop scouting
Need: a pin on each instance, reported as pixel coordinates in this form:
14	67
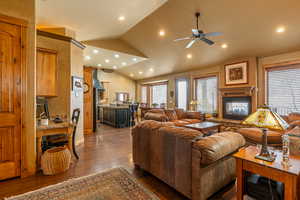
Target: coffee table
206	128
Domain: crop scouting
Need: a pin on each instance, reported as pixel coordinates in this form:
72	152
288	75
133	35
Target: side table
246	161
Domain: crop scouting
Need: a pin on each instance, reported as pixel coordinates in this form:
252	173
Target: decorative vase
285	150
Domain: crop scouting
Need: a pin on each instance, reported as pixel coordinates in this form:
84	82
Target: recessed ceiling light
114	67
161	33
134	59
151	70
132	75
95	51
99	65
107	61
87	57
280	29
121	18
224	46
117	56
189	56
124	63
140	72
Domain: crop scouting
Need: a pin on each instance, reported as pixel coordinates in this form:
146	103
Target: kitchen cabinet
46	69
118	117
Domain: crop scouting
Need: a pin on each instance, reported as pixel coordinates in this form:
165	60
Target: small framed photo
236	73
77	83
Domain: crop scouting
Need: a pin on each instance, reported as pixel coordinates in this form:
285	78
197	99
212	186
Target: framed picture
236	73
77	83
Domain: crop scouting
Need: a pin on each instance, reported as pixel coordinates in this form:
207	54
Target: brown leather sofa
178	116
194	165
254	135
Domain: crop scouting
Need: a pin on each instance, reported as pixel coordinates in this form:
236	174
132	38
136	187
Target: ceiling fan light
224	46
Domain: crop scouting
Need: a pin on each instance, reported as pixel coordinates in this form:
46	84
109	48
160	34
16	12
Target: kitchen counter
115	106
116	116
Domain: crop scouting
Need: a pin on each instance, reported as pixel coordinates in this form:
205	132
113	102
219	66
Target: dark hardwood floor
106	149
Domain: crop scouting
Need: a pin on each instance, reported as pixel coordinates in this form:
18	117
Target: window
206	94
122	97
144	94
182	93
283	87
159	94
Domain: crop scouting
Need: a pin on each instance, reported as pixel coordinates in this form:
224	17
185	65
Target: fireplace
237	108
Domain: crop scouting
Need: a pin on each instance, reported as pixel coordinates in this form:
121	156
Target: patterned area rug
115	184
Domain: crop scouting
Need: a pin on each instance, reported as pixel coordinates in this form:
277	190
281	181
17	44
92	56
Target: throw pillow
171	114
180	113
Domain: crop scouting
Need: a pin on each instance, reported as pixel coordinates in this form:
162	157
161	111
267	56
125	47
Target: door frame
23	24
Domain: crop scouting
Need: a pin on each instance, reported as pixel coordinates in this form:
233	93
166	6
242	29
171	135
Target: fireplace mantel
236	92
249	91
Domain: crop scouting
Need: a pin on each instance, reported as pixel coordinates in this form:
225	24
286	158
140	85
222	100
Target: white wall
118	83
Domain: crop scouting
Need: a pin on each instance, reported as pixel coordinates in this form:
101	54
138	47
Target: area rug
115	184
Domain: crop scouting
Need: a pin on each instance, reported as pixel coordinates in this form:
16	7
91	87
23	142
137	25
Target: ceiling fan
198	34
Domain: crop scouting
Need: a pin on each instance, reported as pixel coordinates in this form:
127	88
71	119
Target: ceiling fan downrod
197	16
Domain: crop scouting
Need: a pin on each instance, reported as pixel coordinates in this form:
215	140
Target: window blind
144	94
284	90
159	94
206	94
182	93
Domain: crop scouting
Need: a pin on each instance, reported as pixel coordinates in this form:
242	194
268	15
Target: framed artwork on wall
236	73
77	84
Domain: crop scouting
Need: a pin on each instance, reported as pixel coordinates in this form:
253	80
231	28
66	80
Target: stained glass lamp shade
266	119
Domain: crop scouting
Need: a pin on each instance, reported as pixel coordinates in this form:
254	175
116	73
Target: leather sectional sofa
194	165
178	116
254	135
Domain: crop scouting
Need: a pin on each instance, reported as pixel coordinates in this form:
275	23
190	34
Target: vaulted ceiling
93	19
248	27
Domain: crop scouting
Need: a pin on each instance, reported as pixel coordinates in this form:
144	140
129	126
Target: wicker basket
55	160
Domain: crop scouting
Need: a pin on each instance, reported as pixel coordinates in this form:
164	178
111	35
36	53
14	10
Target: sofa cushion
156	116
180	123
161	111
151	124
295	123
294	132
255	135
171	114
294	146
194	115
180	113
192	121
293	117
217	146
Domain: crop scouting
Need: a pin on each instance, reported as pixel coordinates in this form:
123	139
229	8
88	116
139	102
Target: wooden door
88	100
46	61
10	100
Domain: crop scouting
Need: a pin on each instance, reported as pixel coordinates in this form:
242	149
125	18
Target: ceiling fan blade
207	41
213	34
179	39
195	31
189	45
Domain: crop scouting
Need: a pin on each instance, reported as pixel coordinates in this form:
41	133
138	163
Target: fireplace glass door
237	108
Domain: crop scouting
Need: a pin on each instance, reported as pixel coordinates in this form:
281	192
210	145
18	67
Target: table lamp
266	119
194	104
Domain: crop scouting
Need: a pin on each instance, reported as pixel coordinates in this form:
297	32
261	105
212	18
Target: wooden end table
246	161
205	127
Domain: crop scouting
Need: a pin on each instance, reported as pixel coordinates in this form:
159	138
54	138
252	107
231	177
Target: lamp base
265	158
264	152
